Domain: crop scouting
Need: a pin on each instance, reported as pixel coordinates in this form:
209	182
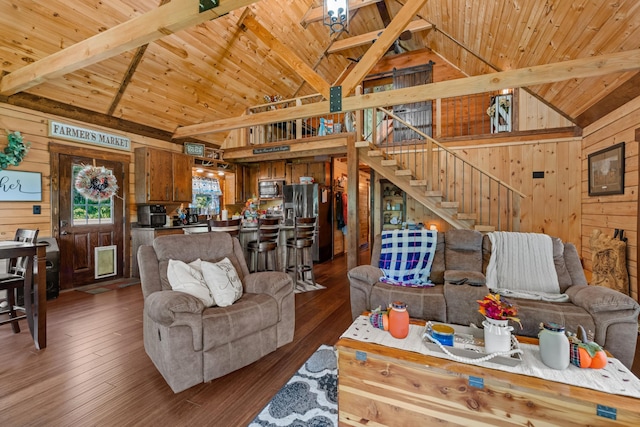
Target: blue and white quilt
406	257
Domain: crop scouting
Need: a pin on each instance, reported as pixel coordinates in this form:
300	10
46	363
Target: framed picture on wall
606	171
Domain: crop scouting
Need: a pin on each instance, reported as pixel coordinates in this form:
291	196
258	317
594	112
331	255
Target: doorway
91	234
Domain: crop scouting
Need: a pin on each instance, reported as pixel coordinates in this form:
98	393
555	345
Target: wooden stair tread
484	228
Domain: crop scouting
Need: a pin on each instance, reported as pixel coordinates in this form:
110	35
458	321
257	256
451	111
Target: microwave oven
152	215
270	189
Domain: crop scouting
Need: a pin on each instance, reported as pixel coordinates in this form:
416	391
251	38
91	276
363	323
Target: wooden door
85	225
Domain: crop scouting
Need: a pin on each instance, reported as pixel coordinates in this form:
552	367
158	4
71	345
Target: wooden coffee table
380	385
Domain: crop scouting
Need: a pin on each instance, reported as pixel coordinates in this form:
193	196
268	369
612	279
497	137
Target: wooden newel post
515	215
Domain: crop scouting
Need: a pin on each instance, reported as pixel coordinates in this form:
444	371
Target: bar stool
231	226
266	243
301	245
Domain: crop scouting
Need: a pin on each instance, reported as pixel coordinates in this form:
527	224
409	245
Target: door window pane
89	212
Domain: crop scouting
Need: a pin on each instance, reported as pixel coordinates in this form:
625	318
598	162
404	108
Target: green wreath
14	152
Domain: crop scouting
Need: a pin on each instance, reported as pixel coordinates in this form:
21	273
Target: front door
90	231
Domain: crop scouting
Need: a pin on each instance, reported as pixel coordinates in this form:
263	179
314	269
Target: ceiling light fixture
336	15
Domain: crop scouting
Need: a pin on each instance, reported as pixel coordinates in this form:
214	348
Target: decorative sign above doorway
88	136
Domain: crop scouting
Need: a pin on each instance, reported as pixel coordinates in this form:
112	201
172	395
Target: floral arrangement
14	152
96	183
504	103
494	307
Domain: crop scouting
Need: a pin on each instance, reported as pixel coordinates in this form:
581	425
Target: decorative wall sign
88	136
266	150
606	171
20	186
194	149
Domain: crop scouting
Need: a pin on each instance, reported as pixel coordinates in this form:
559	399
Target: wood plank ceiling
215	70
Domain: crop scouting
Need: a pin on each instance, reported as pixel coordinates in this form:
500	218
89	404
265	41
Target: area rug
307	287
309	398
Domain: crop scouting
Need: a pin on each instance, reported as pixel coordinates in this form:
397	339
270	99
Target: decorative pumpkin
585	353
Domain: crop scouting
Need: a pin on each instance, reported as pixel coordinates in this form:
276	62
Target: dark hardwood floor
94	371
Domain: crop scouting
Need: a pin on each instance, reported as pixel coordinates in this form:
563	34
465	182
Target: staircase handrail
451	152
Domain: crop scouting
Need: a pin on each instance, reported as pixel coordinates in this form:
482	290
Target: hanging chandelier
336	15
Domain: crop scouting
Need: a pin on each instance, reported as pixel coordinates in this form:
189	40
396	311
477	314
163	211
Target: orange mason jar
399	320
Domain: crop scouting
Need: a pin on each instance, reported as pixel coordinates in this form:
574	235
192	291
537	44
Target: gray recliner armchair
190	343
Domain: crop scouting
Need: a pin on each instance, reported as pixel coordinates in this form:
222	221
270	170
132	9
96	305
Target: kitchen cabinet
320	171
144	236
162	176
233	191
272	170
393	206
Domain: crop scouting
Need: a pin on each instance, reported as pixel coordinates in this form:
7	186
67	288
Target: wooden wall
34	128
615	211
533	114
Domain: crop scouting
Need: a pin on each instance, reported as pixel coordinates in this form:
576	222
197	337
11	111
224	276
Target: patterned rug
309	398
307	287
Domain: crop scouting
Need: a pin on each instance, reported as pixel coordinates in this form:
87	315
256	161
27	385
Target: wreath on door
14	152
96	183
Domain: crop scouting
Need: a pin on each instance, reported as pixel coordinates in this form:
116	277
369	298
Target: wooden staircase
462	194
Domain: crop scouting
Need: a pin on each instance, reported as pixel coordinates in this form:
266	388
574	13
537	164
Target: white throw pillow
188	278
223	281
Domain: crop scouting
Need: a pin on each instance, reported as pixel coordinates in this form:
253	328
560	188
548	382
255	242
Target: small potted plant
497	332
493	307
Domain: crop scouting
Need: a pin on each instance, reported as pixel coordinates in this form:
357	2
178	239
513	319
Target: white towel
522	262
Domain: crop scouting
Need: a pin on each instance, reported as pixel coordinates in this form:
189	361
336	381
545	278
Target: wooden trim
353	229
48	106
55	149
316	146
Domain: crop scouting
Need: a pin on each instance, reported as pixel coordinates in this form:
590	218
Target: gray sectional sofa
610	315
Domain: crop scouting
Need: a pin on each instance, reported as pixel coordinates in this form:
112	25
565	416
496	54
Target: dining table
36	308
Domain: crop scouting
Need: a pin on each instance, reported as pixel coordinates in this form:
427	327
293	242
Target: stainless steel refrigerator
307	200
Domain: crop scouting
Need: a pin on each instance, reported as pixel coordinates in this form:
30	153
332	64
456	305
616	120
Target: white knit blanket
523	263
614	378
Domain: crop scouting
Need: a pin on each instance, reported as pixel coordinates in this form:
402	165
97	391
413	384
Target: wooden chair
266	244
20	270
231	226
298	254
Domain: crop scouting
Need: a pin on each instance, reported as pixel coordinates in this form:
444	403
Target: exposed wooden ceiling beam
366	38
536	75
48	106
167	19
287	55
380	47
317	13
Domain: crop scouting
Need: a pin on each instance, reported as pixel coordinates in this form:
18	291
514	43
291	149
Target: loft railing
479	194
448	118
288	130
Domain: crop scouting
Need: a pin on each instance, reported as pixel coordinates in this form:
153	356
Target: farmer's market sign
88	136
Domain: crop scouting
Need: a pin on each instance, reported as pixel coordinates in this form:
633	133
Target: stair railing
479	195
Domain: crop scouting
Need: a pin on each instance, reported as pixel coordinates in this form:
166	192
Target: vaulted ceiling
195	72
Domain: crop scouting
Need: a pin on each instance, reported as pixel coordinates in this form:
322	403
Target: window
89	212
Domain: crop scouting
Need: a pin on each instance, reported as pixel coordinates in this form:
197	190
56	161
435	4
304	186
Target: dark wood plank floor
95	371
